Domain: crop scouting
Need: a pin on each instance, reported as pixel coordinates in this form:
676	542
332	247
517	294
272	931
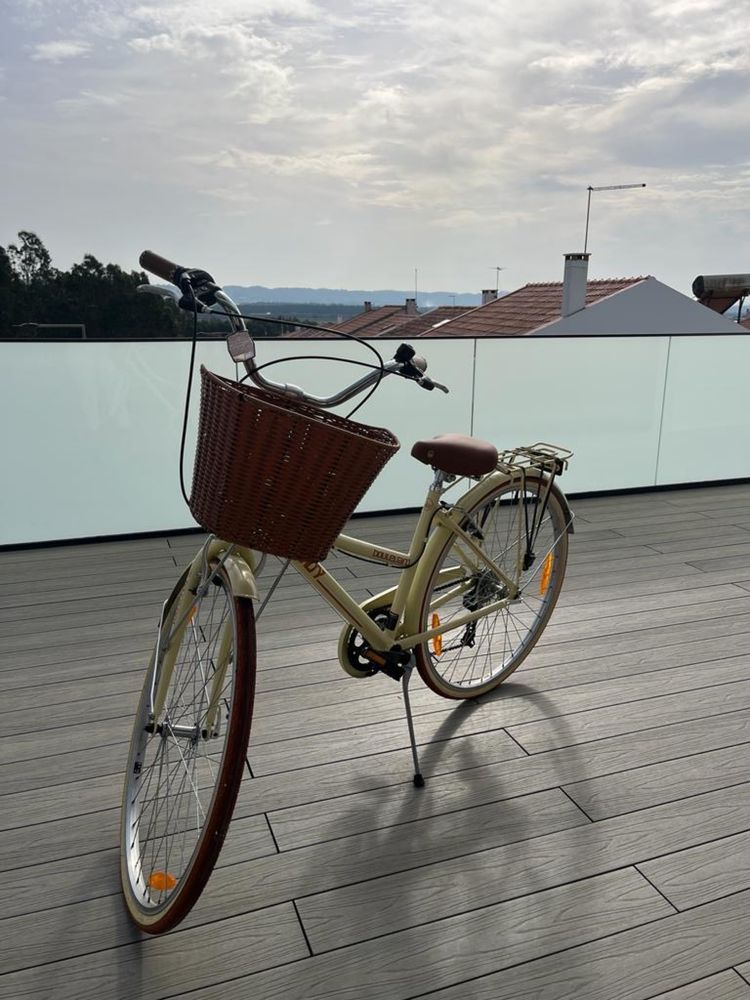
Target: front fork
238	564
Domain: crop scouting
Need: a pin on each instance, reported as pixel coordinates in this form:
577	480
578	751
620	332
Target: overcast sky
293	142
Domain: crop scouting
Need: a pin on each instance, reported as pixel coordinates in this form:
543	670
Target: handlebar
200	290
165	269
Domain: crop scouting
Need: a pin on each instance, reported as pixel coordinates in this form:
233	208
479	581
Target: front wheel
526	537
186	760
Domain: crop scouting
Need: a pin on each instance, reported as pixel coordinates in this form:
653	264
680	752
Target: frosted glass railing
91	431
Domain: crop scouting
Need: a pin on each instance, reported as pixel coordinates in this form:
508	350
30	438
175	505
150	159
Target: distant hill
317	312
347	296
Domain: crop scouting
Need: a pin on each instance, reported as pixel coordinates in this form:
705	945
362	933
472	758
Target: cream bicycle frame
404	599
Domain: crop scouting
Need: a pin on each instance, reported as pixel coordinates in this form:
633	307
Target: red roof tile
370	317
370	323
525	310
416	326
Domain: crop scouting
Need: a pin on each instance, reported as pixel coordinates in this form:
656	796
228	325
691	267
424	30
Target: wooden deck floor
584	834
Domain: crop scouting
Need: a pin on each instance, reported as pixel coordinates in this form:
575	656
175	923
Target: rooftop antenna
607	187
416	299
497	271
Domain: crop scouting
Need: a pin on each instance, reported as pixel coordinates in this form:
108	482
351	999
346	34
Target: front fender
239	566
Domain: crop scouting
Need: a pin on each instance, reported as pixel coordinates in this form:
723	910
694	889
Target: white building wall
649	308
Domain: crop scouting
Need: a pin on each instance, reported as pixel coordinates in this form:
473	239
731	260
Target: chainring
354	662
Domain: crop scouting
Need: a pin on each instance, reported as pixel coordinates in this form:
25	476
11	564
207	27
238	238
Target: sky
294	142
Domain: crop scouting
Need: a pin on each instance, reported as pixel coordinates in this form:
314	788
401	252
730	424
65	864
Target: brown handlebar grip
159	266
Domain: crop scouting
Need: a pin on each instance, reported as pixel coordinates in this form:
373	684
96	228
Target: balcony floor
584	833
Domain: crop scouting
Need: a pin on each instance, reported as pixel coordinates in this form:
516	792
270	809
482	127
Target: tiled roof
718	303
424	324
368	318
525	310
370	323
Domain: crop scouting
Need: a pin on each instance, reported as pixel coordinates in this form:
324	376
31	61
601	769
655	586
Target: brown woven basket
277	474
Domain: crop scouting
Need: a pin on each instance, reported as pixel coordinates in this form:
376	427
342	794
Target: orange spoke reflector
191	613
437	640
161	881
546	574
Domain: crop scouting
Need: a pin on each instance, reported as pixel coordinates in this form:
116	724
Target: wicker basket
277	474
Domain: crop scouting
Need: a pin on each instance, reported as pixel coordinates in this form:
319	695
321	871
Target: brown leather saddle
457	454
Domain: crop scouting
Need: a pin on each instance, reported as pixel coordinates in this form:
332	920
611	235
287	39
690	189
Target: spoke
511	523
170	797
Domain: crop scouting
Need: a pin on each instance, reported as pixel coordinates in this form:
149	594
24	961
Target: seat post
440	478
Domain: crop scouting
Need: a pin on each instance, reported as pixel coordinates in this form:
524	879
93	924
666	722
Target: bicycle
476	589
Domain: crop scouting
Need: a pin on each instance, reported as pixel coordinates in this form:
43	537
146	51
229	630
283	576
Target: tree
8	293
30	260
101	297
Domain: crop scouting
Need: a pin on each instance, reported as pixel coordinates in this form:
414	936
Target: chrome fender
239	565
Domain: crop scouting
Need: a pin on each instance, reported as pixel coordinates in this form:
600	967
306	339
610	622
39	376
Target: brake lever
430	384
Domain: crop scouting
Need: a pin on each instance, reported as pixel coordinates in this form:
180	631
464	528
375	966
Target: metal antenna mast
607	187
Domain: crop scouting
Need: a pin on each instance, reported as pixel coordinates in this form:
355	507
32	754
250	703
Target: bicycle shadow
436	836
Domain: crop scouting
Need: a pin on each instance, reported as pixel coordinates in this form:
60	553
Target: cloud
58	51
466	118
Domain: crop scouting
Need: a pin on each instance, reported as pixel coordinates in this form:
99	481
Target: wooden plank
74	670
462	946
577	715
537	673
276	791
700	874
577	594
61	613
653	638
352	811
125	684
155	967
652	784
115	551
163	584
718	537
738	562
99	636
509	705
47	743
723	986
621	606
330	865
93	832
653	959
92	875
475	880
551	811
548	734
73	568
614	691
61	579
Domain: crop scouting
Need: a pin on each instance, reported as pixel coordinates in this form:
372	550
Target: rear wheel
517	528
185	765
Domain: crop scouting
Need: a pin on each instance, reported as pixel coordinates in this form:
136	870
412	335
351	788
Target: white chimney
368	307
574	283
488	295
410	307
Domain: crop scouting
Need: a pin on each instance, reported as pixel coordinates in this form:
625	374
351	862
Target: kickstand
418	779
